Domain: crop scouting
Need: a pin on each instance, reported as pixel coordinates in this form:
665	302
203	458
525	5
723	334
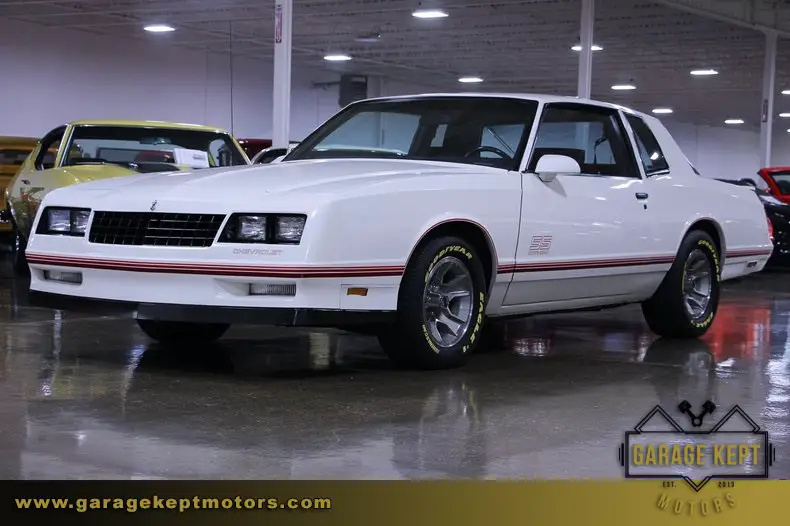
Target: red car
778	181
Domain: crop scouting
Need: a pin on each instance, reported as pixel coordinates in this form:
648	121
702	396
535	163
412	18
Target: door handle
641	196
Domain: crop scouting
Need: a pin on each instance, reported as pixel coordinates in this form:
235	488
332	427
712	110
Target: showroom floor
88	397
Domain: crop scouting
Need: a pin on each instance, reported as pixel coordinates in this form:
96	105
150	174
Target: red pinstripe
585	264
216	270
336	272
747	253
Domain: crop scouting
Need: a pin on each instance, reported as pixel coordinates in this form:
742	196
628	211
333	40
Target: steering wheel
491	149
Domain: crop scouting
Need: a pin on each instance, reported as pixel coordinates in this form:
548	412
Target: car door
668	200
33	179
584	238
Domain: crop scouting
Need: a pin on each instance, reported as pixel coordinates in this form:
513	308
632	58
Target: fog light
65	277
272	289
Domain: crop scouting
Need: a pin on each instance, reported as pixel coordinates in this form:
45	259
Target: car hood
301	177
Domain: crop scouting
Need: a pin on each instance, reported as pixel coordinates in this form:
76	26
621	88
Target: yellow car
92	150
13	152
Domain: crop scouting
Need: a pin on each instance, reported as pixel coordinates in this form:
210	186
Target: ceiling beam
749	20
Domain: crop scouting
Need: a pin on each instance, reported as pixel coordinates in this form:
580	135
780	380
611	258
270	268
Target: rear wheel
685	304
183	334
440	306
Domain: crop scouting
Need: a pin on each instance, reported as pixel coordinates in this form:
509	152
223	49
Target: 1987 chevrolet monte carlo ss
416	218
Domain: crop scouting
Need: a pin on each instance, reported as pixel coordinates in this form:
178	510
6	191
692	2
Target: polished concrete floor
549	397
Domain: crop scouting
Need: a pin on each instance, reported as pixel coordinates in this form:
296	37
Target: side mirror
550	166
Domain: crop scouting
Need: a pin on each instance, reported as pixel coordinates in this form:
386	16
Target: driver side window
47	152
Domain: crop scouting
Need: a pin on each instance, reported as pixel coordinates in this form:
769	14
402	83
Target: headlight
64	221
288	229
283	229
252	228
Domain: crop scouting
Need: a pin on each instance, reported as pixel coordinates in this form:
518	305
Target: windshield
471	130
127	145
782	180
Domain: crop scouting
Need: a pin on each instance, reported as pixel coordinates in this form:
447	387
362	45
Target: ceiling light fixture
337	58
470	80
704	72
623	87
784	115
594	47
159	28
662	111
429	13
786	92
733	121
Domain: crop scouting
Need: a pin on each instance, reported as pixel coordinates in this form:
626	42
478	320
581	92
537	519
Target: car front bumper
287	317
204	292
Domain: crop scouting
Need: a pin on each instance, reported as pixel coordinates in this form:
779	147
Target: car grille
154	229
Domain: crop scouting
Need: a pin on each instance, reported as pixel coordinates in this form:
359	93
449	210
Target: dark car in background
778	213
268	155
252	146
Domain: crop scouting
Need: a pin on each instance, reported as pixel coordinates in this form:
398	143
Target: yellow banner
453	503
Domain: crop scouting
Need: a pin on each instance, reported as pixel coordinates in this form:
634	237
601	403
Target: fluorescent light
429	13
784	115
623	87
578	47
733	121
786	92
159	28
470	80
662	111
337	58
704	72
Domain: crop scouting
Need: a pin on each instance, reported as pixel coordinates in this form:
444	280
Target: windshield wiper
501	141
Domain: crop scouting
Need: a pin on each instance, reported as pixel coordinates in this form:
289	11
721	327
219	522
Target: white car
415	218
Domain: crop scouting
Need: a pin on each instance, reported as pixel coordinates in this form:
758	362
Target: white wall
51	76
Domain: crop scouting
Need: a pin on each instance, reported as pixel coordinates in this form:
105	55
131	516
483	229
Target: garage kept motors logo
734	448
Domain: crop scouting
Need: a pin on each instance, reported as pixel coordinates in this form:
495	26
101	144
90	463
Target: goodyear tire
685	303
441	304
183	334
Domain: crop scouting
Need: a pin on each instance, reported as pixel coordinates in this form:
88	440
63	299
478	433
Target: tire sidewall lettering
713	255
467	343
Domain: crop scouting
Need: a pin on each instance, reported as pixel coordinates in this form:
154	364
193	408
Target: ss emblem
539	245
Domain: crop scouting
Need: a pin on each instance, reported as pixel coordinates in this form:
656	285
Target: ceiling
515	45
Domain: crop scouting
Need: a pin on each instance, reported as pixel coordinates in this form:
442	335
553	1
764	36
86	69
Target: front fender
382	229
29	188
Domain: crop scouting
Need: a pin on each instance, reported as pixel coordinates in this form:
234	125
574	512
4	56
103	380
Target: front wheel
441	305
686	301
183	334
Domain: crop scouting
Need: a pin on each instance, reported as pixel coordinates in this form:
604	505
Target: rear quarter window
649	150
